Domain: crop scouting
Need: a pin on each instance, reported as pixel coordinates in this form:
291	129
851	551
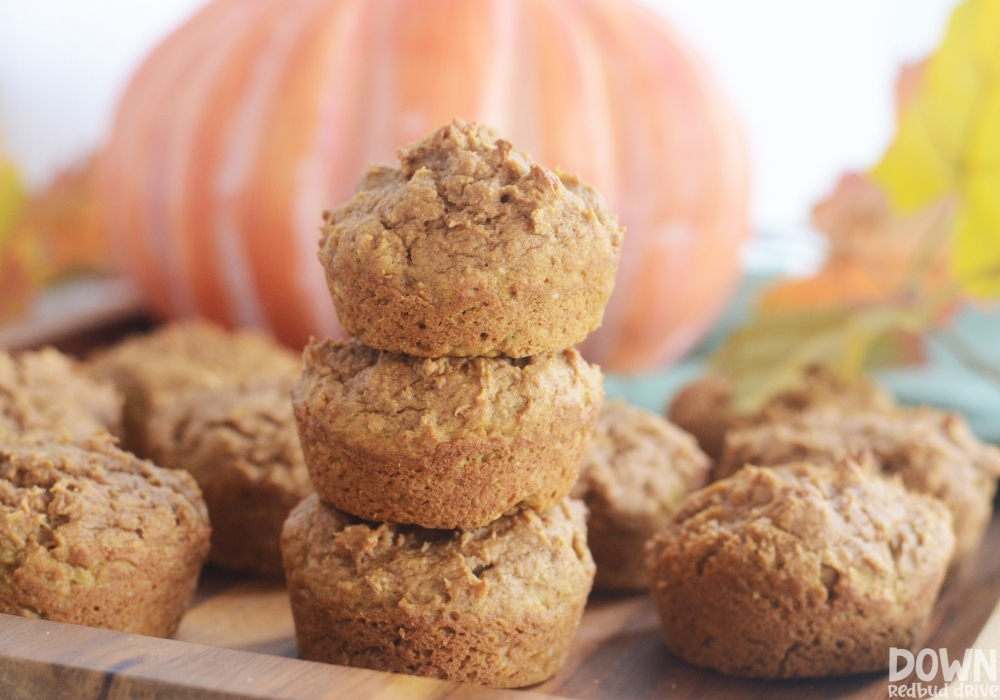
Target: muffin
442	443
91	535
153	369
496	605
799	571
704	407
470	248
934	453
46	391
636	472
240	445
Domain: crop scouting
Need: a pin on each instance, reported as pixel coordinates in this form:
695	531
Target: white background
812	80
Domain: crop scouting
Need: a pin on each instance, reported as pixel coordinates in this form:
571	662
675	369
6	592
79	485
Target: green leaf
770	354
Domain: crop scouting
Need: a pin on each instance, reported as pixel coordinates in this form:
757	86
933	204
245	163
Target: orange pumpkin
256	115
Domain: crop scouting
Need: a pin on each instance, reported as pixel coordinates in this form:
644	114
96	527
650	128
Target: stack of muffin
443	442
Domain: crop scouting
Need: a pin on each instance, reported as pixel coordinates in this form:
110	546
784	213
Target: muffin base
502	652
464	484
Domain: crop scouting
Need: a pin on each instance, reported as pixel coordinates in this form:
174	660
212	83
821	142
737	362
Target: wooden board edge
42	660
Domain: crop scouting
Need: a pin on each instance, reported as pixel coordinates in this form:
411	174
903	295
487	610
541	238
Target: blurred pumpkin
256	115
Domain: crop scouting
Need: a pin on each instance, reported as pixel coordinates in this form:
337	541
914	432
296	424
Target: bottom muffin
497	605
799	571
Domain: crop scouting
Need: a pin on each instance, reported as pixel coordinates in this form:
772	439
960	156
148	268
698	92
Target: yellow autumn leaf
948	144
11	196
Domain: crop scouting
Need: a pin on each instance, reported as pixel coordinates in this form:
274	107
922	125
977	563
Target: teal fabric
944	381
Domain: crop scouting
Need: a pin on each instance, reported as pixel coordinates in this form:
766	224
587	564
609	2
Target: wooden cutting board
238	641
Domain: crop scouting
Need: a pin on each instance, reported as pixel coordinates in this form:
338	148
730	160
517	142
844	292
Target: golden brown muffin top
195	355
537	559
931	449
820	387
400	402
152	370
639	467
45	391
841	529
465	213
91	503
251	429
704	407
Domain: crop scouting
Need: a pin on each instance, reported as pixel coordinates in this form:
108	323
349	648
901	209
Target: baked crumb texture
91	535
45	392
496	605
799	571
240	445
150	370
447	442
638	468
932	452
704	409
470	248
217	404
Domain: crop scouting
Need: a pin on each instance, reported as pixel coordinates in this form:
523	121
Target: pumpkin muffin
799	571
45	391
704	407
637	470
240	445
934	453
91	535
443	443
153	369
470	248
496	605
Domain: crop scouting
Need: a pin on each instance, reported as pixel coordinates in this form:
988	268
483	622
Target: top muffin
469	248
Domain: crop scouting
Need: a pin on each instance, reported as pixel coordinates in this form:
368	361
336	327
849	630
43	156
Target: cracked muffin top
250	430
470	248
799	571
151	370
536	559
92	535
45	391
705	409
837	528
85	503
933	452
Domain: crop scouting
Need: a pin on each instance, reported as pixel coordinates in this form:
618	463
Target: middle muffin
451	442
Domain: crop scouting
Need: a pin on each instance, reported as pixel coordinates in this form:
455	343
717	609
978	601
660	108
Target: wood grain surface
238	641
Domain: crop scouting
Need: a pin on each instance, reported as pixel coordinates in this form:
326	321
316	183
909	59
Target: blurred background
803	182
812	83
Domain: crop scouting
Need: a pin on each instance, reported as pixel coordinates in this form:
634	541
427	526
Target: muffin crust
45	391
497	605
153	369
799	571
91	535
636	472
469	248
442	443
933	452
704	407
241	446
